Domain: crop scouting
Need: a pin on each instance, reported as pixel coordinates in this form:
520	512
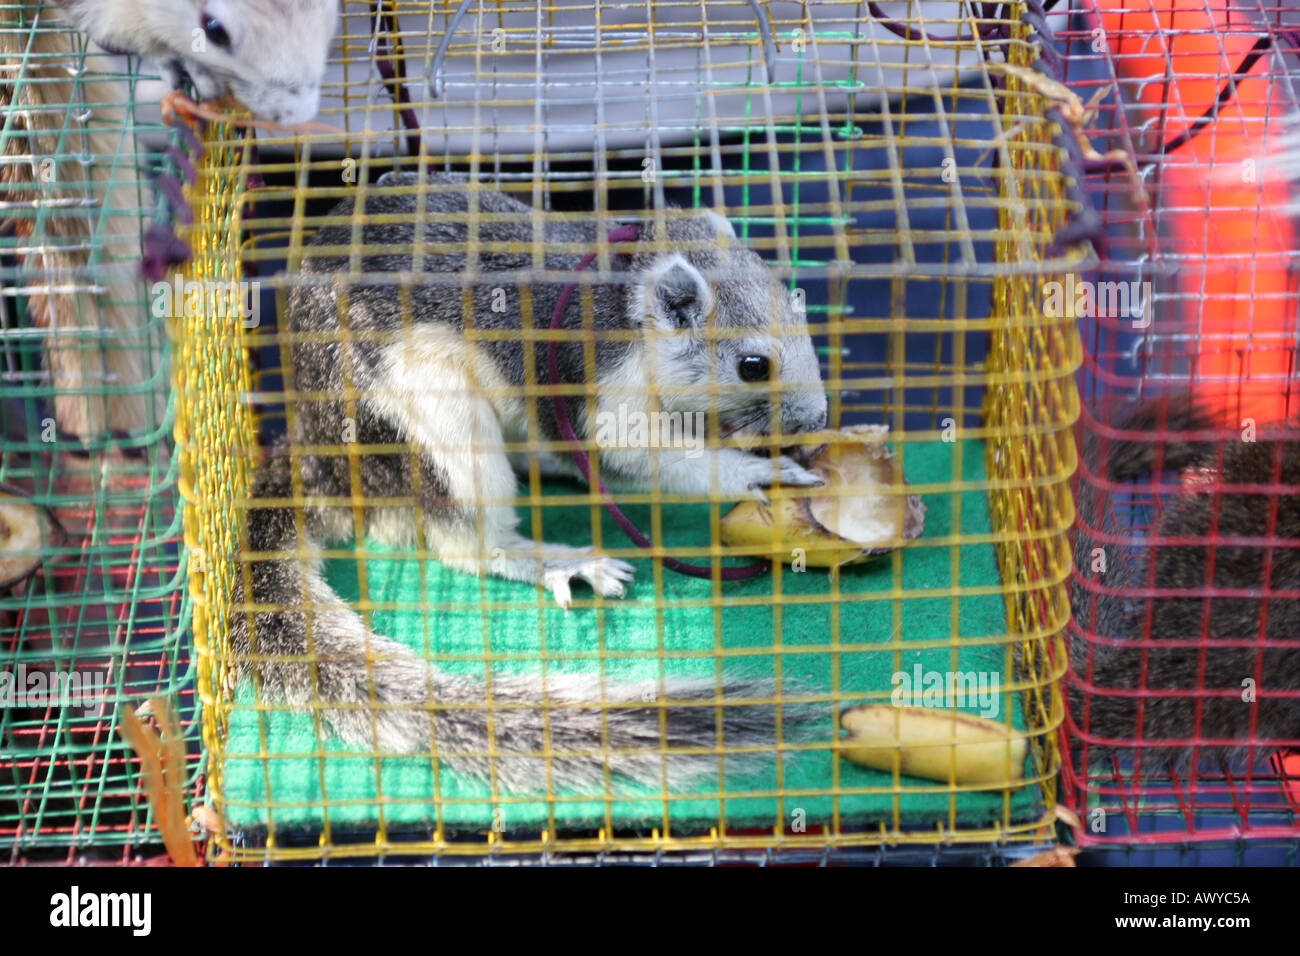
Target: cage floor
275	777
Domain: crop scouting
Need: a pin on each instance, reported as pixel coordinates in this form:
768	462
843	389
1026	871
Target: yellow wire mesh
961	232
214	433
1030	454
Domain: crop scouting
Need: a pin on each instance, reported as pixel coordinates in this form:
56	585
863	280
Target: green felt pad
274	773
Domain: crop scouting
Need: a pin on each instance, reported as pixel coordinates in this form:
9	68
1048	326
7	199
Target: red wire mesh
111	606
1192	555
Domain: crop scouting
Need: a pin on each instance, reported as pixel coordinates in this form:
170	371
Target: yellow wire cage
911	184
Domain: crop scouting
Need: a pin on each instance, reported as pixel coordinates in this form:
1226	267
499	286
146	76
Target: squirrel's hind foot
608	577
555	567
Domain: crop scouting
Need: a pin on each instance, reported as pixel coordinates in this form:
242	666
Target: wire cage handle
437	84
627	233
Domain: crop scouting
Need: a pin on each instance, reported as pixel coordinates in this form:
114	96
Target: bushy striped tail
306	648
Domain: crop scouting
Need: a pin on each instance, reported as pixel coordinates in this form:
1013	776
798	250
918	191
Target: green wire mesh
84	400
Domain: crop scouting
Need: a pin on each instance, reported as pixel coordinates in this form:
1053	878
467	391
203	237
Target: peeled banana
933	743
861	512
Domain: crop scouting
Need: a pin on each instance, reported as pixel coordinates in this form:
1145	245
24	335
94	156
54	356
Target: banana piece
833	528
26	531
943	745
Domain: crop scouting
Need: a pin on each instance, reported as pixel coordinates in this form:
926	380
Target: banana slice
934	744
26	530
869	516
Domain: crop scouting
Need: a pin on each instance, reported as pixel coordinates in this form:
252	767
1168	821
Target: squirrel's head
270	54
721	331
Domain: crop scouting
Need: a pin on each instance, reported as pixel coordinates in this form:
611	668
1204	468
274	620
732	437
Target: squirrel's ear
721	225
677	295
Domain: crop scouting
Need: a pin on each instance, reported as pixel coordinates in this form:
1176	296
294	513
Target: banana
26	531
943	745
860	513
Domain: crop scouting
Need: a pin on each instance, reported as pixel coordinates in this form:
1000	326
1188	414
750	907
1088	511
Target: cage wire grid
1201	223
806	167
87	439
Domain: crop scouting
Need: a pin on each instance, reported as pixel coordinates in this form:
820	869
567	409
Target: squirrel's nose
803	422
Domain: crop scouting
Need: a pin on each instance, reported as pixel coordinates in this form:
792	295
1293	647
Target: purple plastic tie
389	74
163	249
255	179
182	162
170	187
1292	38
191	138
395	78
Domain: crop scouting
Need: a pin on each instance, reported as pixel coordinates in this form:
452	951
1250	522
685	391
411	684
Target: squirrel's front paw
785	471
608	577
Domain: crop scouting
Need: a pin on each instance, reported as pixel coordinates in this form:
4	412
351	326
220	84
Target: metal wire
909	189
1190	101
86	435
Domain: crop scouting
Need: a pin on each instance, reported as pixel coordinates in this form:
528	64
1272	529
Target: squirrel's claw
608	577
791	474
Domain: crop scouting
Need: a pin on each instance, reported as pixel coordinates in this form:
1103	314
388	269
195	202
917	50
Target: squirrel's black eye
754	368
215	32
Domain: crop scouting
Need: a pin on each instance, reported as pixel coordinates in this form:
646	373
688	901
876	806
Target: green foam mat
274	776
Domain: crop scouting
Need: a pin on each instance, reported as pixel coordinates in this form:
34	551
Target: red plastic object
1225	198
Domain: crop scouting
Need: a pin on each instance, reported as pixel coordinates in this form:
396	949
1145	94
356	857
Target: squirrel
270	54
91	195
456	396
1110	619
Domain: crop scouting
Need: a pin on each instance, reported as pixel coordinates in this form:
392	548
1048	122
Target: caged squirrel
699	320
270	54
1113	659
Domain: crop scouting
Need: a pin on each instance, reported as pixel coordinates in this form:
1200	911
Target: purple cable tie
170	187
162	250
182	162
